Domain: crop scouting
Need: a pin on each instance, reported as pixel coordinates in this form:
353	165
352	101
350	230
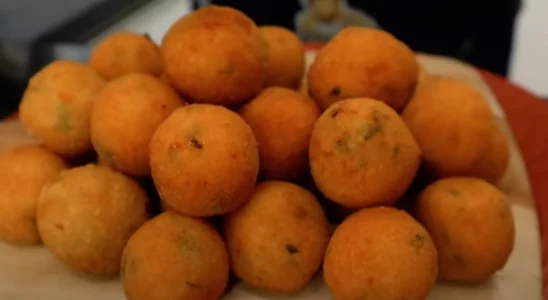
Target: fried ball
175	257
204	160
277	240
364	62
284	57
126	52
450	121
380	253
494	161
215	55
25	170
281	120
212	15
472	225
86	216
124	117
362	154
57	103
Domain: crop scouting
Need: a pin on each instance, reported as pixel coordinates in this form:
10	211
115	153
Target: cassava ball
277	241
363	62
380	253
451	122
86	216
124	117
56	106
25	170
204	160
472	225
282	121
175	257
362	154
215	55
494	160
284	57
126	52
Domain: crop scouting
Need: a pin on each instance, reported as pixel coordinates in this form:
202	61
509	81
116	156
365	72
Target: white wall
529	66
155	18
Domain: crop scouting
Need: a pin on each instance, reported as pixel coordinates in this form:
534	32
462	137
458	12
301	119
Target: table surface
32	273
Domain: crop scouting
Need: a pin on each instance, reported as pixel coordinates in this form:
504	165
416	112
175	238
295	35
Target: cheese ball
25	170
393	258
175	257
451	122
86	216
126	52
277	240
472	225
124	117
204	160
282	121
215	55
494	161
57	104
363	62
284	57
362	154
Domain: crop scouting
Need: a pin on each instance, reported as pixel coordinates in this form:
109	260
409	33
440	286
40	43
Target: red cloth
527	116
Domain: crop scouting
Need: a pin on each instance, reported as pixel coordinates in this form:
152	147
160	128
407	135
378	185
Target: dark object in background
33	33
479	32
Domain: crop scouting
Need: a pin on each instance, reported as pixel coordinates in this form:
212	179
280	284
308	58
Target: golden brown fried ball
124	117
362	154
472	225
282	121
215	55
363	62
284	57
204	160
175	257
87	215
213	15
494	160
126	52
380	253
57	103
451	122
277	241
25	170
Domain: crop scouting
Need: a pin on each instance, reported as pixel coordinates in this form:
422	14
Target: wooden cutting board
33	273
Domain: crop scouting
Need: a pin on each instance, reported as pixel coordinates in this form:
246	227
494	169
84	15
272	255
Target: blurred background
507	37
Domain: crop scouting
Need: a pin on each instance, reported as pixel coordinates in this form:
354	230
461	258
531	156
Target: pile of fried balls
215	157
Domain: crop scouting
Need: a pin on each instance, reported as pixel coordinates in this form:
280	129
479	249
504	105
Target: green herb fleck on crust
188	243
396	151
342	147
371	131
64	120
453	192
418	241
129	266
